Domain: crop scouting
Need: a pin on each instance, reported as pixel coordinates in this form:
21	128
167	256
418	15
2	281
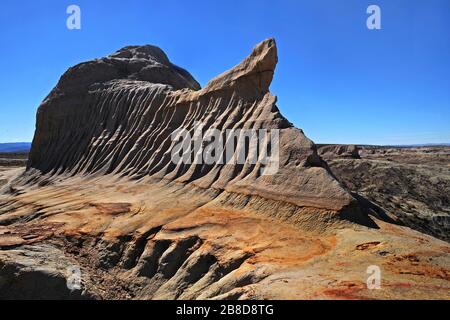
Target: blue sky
337	80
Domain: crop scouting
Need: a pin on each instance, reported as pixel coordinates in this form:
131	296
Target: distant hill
15	147
406	146
425	145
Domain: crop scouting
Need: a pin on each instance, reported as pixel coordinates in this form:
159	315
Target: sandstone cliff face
116	115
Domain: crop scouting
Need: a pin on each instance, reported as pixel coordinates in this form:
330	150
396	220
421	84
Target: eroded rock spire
116	115
254	73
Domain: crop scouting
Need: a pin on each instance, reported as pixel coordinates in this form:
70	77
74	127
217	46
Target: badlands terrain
409	184
100	194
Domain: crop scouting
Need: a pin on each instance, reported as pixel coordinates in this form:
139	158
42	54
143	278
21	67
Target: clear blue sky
336	79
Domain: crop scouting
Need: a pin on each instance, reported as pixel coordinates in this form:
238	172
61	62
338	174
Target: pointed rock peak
254	74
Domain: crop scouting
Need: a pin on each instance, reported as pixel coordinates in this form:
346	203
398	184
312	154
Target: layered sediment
116	115
101	191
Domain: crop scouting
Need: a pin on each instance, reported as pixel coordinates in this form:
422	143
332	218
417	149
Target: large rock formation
101	192
116	115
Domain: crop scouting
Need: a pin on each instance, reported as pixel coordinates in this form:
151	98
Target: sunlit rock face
116	115
101	194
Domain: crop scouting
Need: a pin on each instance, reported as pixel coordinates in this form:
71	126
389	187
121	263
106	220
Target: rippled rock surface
101	195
